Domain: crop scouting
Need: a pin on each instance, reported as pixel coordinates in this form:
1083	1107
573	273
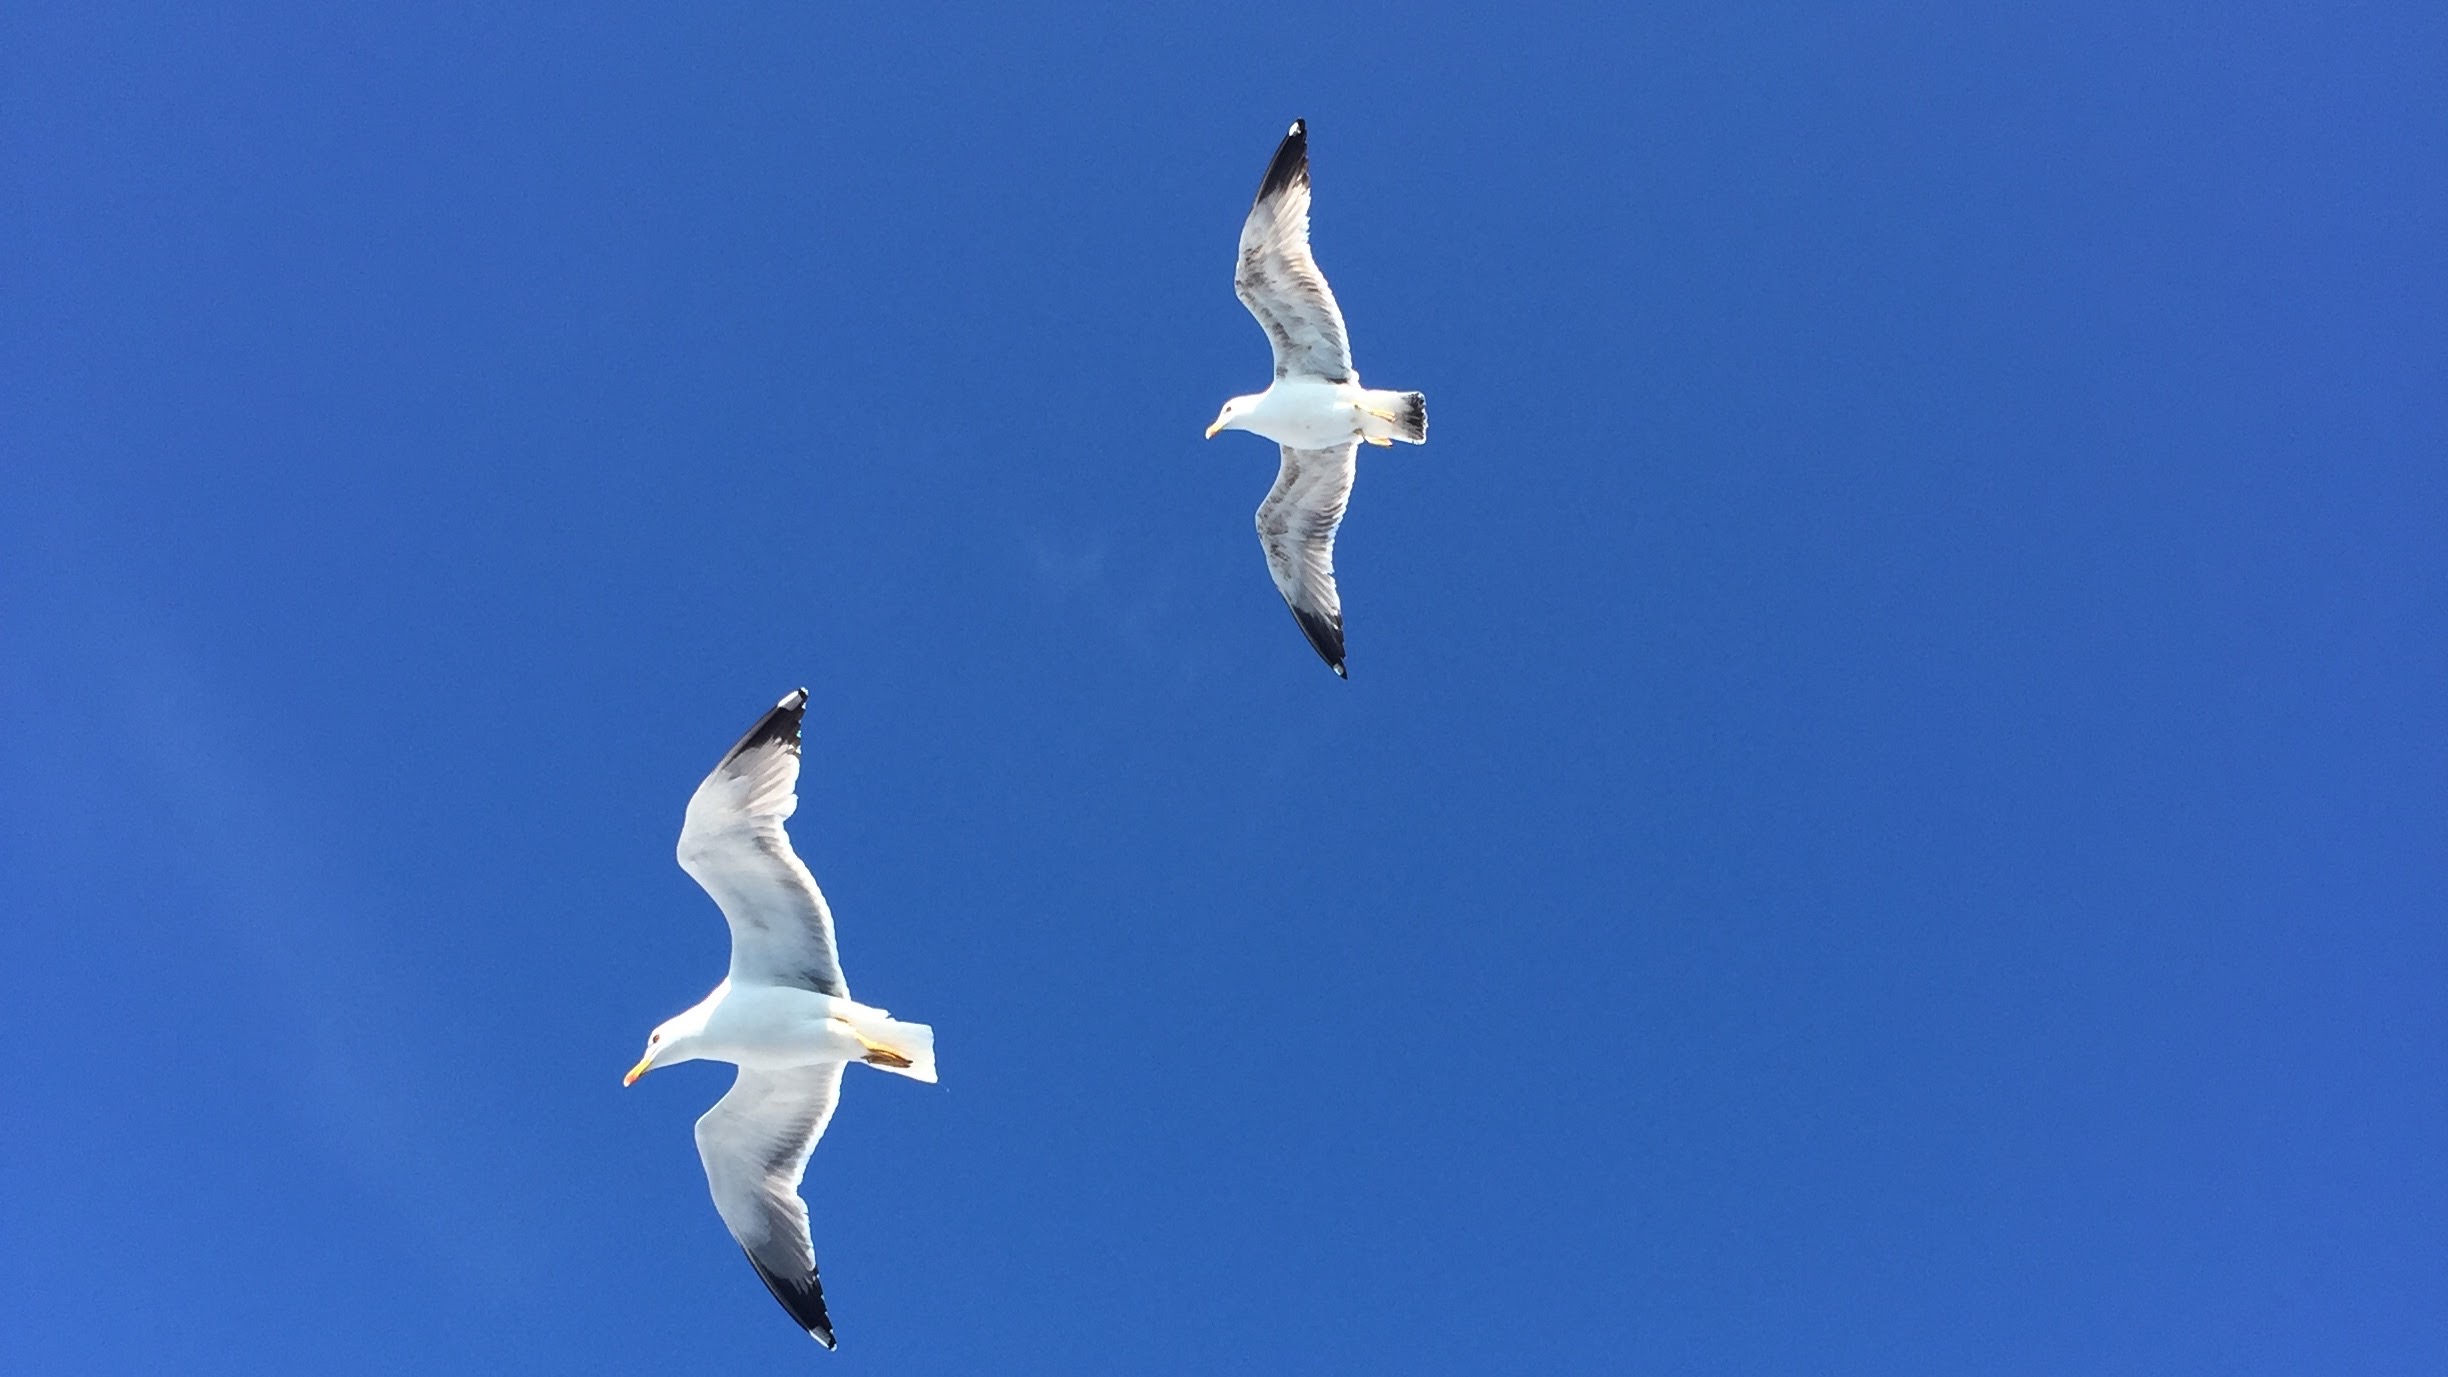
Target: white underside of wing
1278	278
755	1143
1296	528
734	845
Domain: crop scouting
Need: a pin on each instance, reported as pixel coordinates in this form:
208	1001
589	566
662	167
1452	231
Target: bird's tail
1398	416
905	1049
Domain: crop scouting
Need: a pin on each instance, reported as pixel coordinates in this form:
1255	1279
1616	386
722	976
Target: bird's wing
734	846
755	1143
1279	281
1296	525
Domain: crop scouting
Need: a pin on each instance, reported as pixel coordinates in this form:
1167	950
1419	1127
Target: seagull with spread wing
1316	408
783	1015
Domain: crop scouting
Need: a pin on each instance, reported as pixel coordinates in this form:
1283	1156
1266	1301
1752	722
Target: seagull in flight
783	1015
1316	408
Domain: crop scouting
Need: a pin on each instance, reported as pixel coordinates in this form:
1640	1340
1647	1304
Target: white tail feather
1396	416
916	1041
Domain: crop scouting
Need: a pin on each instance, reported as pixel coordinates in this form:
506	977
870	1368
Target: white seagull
1316	408
783	1015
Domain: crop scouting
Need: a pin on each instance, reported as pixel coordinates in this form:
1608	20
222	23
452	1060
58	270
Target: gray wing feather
755	1143
1296	527
1279	281
734	846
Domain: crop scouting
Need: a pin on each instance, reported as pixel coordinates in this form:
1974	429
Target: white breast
774	1027
1306	413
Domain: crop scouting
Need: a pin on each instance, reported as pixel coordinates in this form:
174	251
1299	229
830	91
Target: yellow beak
637	1071
1211	430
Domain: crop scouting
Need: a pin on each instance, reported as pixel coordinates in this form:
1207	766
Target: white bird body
782	1028
1307	412
783	1016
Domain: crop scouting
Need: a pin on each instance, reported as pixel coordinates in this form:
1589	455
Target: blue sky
1888	816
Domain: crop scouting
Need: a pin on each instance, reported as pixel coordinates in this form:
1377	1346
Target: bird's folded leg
878	1054
1378	440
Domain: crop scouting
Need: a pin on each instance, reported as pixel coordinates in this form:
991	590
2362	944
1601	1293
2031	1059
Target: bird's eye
653	1040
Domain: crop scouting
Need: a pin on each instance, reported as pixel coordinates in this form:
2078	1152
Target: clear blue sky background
1891	813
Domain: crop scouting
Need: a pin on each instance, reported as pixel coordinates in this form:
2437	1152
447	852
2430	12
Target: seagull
1316	408
783	1015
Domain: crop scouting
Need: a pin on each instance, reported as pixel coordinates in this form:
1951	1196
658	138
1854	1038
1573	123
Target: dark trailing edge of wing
782	724
1325	634
1291	163
803	1299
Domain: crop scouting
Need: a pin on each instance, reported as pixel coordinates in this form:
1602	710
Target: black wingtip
1291	165
804	1299
782	725
1325	636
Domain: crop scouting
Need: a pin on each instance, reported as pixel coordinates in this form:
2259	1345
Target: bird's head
1234	413
675	1040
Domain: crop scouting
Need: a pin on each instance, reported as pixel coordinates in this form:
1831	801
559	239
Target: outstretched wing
1296	526
734	846
755	1143
1277	278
